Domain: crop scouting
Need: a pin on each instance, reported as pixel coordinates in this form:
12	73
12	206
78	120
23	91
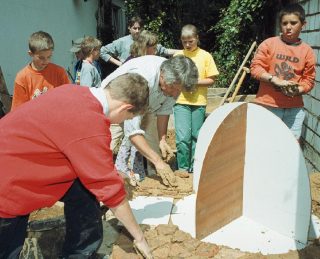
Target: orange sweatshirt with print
30	83
288	62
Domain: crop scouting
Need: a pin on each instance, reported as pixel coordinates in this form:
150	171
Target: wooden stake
236	90
238	73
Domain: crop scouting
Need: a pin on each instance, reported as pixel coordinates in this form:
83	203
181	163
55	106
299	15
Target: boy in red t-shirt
40	75
57	147
285	67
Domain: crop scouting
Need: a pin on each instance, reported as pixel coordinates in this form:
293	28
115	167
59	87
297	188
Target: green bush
235	34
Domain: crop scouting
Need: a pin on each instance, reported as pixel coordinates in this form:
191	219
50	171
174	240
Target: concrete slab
152	210
250	236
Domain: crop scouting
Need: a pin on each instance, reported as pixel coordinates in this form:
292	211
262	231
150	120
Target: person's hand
293	89
166	151
166	174
288	88
142	248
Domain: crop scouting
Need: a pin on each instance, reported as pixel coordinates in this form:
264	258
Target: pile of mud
315	194
153	186
165	241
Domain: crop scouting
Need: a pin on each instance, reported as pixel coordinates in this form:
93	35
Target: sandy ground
167	241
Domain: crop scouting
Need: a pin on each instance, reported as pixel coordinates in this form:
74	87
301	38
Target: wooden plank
220	193
5	97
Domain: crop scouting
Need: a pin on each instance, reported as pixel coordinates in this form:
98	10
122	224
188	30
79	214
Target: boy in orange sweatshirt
285	67
40	75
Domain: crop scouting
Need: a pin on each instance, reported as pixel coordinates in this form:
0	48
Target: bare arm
166	151
115	61
208	81
124	213
171	52
144	148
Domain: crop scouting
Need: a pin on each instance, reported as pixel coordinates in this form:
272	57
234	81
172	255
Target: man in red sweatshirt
57	147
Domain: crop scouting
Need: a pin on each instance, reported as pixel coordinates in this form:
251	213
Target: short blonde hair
189	30
139	46
40	41
88	45
131	88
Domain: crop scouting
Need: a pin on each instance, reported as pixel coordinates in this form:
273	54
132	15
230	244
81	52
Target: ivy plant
235	33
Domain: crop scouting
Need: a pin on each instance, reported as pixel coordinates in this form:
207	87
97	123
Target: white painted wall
65	20
311	130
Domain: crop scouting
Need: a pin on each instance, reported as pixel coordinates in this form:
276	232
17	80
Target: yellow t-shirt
206	68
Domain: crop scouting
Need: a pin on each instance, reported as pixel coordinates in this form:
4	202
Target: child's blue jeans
292	117
84	231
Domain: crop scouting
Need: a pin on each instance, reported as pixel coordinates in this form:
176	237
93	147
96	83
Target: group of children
280	89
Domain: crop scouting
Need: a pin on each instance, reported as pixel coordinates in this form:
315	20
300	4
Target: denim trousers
84	232
292	117
188	120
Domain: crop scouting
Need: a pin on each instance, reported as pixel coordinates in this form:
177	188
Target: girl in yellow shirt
190	108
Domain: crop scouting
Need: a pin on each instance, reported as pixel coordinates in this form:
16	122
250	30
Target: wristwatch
270	78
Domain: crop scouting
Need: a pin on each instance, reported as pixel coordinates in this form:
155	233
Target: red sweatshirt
49	142
289	62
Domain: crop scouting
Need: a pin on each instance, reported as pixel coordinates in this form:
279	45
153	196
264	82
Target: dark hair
135	19
293	9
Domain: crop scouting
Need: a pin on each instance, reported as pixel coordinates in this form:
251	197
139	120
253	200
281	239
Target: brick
315	106
312	138
310	120
313	6
313	157
315	91
307	102
317	21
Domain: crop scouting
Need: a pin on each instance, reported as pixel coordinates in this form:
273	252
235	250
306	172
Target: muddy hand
292	89
166	151
167	176
142	248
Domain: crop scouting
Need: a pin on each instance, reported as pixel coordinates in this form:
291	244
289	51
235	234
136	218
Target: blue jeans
84	231
13	231
292	117
188	120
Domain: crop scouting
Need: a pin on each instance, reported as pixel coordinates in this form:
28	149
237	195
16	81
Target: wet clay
167	176
166	241
153	186
315	193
